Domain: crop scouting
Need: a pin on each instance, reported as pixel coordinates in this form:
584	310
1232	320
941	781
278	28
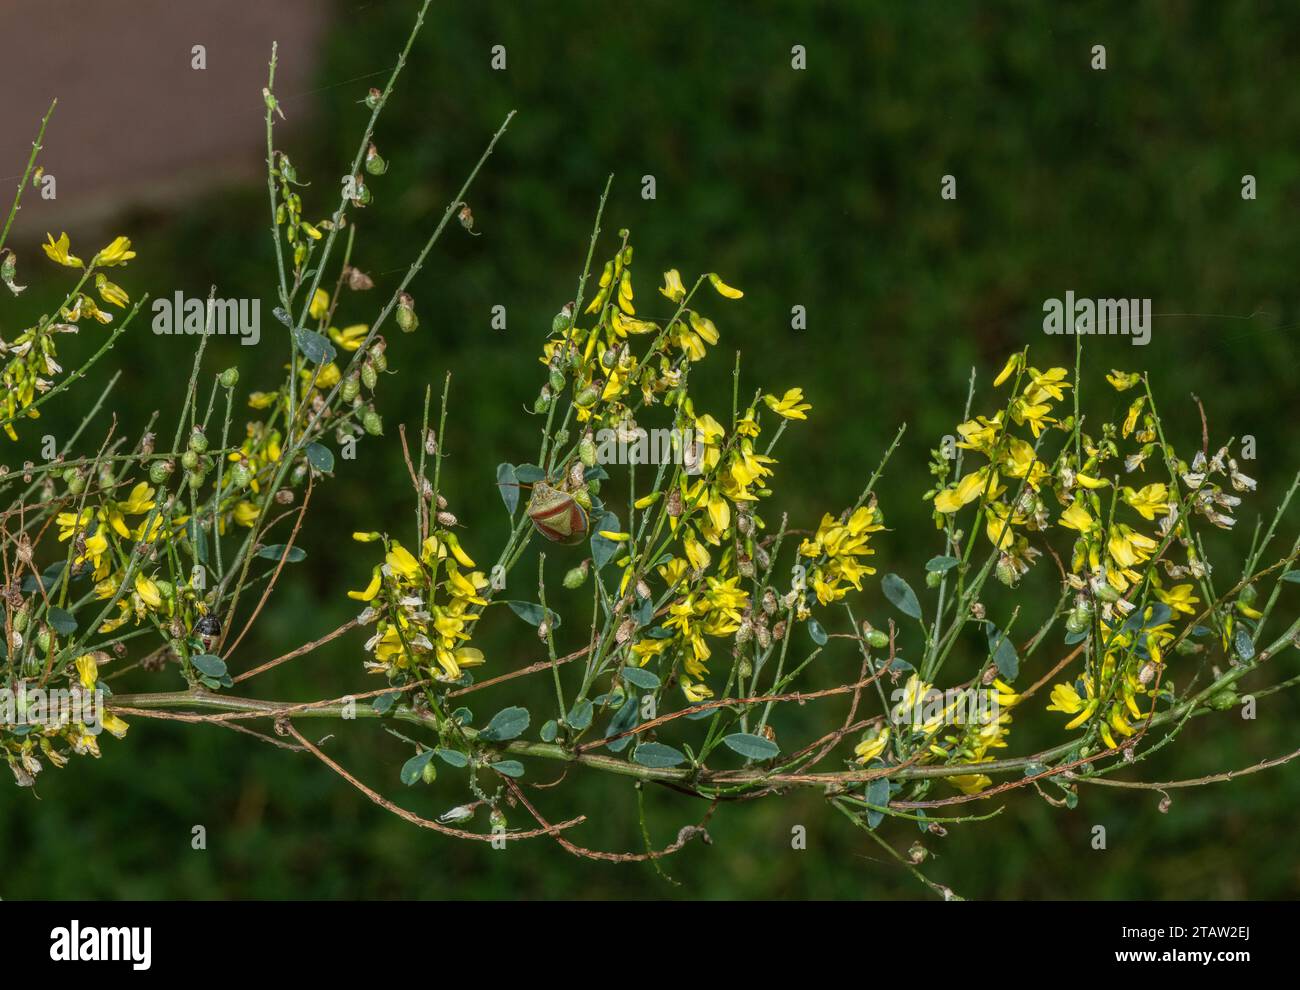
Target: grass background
818	188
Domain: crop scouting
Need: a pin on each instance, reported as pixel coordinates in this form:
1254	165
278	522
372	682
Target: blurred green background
817	188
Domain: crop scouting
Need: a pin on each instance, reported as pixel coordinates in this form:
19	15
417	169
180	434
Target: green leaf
640	677
624	719
529	473
506	724
580	715
657	755
274	551
1292	576
452	757
510	768
315	348
207	664
533	613
198	537
877	794
508	486
549	731
941	564
901	594
603	550
320	457
749	745
817	633
1003	652
384	702
63	621
413	767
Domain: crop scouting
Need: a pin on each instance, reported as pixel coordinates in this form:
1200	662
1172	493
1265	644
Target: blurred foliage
818	188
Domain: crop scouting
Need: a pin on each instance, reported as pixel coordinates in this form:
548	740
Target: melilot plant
686	612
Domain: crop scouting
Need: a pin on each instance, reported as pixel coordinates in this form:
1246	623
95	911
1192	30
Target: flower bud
374	98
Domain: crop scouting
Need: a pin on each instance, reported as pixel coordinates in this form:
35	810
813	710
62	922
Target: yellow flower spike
60	251
672	287
790	405
320	304
724	290
1008	369
111	293
401	561
117	253
368	593
365	537
148	591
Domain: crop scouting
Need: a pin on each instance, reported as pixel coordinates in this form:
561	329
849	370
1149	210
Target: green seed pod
1079	619
1248	595
878	639
593	486
196	479
43	639
160	471
351	387
1186	647
745	668
430	773
543	400
406	318
561	437
375	164
198	440
557	380
240	476
1005	571
378	356
1225	699
165	588
374	98
229	378
562	320
587	396
575	577
583	497
20	619
76	483
373	423
933	578
369	375
1106	593
190	460
587	450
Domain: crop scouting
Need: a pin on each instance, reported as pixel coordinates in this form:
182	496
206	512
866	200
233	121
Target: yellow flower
1131	419
370	590
402	563
723	288
1066	699
148	591
610	534
967	490
1179	598
790	405
1123	380
872	746
365	537
1150	501
117	253
320	304
87	671
672	287
245	513
1077	517
59	251
1012	365
111	293
349	338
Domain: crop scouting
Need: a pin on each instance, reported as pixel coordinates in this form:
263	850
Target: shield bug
557	515
209	629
